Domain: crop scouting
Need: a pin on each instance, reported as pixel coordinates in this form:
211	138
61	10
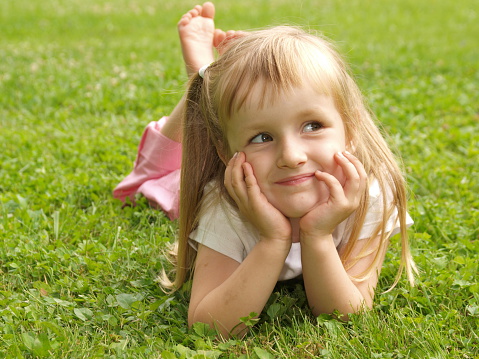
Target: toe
208	10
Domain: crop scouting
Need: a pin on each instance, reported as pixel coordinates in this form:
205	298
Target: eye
312	126
261	138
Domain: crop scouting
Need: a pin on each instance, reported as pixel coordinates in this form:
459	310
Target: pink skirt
156	171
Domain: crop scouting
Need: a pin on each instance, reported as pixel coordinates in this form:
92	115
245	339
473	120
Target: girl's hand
342	202
242	186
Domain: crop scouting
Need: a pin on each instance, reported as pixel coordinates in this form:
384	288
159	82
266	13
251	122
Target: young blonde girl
284	174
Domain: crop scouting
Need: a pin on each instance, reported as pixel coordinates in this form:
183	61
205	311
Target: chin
295	214
293	209
298	205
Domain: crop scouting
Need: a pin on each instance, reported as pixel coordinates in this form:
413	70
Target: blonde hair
280	59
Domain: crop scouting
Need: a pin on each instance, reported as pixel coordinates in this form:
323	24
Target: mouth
295	180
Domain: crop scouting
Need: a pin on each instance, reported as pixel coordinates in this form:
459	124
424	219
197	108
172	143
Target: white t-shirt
223	229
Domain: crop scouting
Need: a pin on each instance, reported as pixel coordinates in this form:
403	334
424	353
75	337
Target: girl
284	174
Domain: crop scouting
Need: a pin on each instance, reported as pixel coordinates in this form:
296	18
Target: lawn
80	79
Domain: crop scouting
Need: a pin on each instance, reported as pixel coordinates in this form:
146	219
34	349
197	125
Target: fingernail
340	154
347	152
236	154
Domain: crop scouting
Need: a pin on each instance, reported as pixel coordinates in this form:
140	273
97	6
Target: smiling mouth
292	181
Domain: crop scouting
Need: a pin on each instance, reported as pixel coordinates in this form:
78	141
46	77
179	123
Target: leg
196	29
198	38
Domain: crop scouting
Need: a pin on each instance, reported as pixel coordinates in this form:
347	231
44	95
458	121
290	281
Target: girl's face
286	141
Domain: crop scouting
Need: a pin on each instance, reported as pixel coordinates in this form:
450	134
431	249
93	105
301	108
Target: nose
291	155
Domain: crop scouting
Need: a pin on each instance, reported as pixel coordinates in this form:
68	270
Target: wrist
281	246
316	240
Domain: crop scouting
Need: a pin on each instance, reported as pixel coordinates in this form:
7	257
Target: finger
355	174
229	178
349	169
336	191
252	187
238	178
358	165
258	204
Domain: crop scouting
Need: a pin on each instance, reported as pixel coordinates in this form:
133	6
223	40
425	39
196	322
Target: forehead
263	80
263	97
288	108
263	94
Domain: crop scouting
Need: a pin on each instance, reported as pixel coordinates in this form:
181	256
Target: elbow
343	313
223	331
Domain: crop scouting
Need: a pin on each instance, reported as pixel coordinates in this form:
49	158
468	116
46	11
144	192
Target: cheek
339	174
259	168
334	169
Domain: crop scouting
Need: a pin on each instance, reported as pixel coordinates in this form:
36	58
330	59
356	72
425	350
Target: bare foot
222	39
197	33
199	37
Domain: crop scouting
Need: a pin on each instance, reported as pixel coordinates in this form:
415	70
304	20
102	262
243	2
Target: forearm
327	284
173	127
245	291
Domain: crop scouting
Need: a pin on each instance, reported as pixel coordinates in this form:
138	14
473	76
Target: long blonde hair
280	59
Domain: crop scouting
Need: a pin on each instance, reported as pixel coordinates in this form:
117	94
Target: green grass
79	80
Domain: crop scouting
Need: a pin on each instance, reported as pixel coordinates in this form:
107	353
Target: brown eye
312	126
261	138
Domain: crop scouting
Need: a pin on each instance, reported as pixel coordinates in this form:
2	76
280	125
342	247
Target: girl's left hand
342	202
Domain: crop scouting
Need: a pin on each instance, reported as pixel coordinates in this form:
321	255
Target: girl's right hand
242	186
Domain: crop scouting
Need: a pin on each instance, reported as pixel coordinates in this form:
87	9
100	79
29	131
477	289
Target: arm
328	285
225	290
173	127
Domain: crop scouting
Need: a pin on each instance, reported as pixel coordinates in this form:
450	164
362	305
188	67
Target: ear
222	152
350	146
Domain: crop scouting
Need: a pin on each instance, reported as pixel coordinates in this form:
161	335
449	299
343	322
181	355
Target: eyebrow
258	125
311	111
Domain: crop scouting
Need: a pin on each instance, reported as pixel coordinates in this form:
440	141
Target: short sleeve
373	218
221	229
375	213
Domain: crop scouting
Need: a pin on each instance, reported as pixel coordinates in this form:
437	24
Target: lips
295	180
